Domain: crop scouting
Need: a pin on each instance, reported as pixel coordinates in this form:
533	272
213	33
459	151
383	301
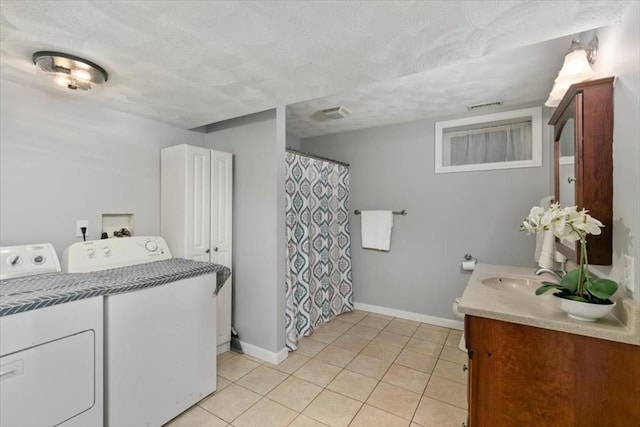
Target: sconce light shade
552	101
560	87
575	69
70	71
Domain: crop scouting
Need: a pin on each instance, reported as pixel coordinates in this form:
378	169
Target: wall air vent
335	113
484	106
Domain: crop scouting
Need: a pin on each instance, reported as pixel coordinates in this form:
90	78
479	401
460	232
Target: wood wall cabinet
526	376
584	170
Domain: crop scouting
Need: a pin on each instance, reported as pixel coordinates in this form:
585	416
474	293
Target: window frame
535	113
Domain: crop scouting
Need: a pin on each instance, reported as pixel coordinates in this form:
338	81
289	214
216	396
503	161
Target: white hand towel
547	250
376	229
544	203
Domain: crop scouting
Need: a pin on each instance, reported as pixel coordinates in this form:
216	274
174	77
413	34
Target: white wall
619	55
62	159
258	145
392	167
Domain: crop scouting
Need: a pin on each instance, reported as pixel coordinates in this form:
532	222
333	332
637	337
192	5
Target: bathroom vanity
525	376
530	364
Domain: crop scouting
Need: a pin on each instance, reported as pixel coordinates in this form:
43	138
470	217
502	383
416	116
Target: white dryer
50	357
160	341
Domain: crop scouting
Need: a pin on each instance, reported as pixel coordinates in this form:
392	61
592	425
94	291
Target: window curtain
318	271
504	143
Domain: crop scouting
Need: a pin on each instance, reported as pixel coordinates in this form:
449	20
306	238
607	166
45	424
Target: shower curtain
318	280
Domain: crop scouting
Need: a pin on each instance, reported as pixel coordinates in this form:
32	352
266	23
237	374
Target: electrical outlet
79	224
628	272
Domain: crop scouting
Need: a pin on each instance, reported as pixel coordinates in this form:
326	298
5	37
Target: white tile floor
359	369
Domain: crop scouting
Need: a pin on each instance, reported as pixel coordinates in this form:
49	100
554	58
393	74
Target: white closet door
198	216
221	201
221	211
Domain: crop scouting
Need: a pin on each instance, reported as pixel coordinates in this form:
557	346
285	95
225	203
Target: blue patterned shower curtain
318	282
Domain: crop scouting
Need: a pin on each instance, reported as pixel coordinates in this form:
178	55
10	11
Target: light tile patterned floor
359	369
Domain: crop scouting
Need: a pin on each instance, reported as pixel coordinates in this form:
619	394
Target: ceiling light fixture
69	71
575	69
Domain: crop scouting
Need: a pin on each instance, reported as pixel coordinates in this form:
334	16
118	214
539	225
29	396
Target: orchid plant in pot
578	286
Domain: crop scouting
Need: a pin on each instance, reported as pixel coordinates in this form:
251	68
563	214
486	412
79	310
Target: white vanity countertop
622	325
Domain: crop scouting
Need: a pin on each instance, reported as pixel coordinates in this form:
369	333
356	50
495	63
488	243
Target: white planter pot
583	310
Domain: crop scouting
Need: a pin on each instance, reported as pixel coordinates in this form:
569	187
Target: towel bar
402	212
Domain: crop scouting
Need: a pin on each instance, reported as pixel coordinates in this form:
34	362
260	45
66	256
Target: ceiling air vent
335	113
484	106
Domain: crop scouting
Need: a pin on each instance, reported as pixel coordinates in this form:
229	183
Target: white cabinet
196	208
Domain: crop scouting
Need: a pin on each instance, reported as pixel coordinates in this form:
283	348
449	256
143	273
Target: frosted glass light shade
560	88
552	101
576	68
69	71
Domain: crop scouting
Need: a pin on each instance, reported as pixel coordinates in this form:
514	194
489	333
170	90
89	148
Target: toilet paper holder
469	262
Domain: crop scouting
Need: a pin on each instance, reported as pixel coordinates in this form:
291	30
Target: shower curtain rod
315	156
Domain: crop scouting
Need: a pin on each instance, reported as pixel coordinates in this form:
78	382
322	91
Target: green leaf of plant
547	286
601	288
551	283
570	280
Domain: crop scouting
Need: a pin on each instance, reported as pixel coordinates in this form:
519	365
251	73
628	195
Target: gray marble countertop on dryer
33	292
525	308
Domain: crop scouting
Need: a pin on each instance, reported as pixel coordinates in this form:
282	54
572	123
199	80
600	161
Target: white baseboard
280	356
222	348
437	321
266	355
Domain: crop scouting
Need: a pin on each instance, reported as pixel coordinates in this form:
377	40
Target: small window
512	139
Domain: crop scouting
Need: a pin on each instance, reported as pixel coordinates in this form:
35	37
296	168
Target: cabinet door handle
215	249
7	373
570	180
206	251
464	368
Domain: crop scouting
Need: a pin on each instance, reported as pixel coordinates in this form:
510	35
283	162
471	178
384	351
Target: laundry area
120	317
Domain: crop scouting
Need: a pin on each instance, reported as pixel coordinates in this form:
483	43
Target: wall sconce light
576	68
69	71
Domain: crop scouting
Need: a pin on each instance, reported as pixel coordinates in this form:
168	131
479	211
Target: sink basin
511	284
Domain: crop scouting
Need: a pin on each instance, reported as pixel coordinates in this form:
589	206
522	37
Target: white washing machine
160	341
50	357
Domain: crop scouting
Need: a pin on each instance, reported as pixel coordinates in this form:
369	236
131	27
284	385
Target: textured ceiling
512	77
191	63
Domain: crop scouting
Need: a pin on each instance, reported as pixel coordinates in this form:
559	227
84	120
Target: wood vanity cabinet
526	376
585	117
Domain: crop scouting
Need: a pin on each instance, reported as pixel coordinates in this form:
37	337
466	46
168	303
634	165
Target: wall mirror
583	156
566	169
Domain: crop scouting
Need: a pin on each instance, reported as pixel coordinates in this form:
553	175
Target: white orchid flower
528	227
593	226
536	214
567	223
589	224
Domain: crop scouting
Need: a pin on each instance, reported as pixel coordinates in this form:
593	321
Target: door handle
206	251
215	249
